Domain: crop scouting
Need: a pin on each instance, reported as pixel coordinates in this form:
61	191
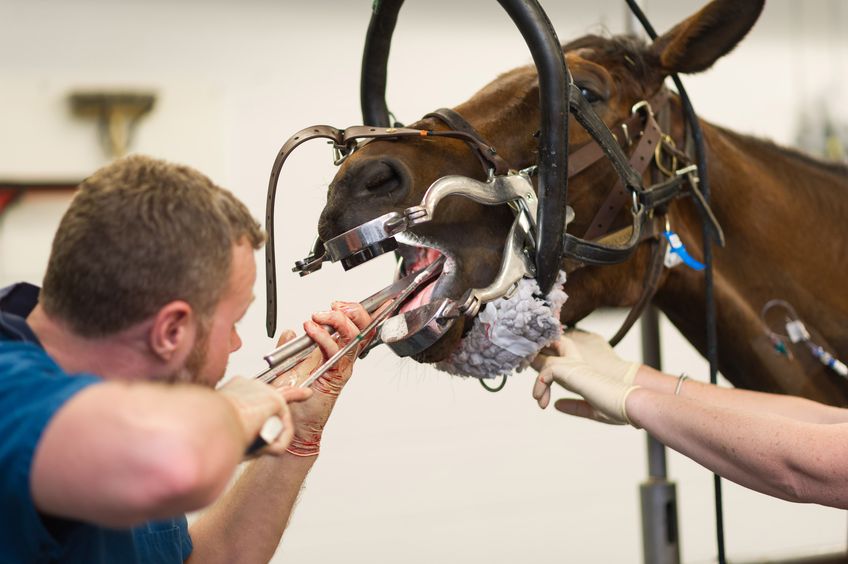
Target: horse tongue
422	297
426	257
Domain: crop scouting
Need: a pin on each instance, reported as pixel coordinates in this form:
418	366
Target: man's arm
247	523
117	454
786	447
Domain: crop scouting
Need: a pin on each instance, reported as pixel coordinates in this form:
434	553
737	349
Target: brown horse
781	211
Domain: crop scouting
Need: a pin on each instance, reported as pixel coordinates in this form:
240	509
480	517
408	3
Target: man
788	447
111	427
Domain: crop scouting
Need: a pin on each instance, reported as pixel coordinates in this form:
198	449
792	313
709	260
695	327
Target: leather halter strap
659	247
638	126
458	123
618	196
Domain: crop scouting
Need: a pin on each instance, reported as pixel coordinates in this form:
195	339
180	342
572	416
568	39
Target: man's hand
348	319
605	392
255	402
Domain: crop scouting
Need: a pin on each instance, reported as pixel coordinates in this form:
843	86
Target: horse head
613	74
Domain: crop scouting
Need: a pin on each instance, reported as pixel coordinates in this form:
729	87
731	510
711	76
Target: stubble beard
190	373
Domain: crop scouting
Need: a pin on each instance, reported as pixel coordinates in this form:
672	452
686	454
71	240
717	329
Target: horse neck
782	214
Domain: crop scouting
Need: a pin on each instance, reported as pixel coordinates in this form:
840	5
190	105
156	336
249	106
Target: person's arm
774	445
247	523
117	454
793	407
772	454
596	352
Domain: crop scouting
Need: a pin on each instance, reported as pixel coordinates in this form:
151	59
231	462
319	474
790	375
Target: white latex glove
604	393
595	350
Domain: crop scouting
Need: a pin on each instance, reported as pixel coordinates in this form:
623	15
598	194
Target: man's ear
173	331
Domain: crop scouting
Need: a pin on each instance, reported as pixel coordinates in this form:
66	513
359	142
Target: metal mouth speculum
377	236
416	330
423	326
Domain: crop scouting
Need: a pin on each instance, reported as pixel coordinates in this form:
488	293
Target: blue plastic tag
677	248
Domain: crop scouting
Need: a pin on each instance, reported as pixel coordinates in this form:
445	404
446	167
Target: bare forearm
799	409
246	524
789	459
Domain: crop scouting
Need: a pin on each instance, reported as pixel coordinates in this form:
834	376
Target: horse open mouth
418	253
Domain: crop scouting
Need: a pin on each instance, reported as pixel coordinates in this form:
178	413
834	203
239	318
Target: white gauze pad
508	333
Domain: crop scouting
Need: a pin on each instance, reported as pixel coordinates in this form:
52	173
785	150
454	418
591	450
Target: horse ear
697	42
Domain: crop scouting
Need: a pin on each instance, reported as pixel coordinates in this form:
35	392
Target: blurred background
417	466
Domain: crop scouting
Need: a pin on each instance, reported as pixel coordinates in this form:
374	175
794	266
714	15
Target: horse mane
631	50
799	156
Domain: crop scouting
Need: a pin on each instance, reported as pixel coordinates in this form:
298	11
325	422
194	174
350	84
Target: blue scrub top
32	389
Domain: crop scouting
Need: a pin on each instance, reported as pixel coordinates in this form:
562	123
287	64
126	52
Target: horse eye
590	95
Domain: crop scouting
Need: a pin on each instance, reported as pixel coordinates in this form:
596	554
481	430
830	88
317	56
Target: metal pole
660	539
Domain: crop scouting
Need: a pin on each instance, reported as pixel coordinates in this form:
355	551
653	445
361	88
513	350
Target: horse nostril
384	178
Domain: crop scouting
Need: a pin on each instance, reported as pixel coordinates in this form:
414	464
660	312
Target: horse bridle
532	226
504	185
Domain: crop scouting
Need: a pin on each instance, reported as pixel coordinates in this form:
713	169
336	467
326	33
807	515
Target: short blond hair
140	233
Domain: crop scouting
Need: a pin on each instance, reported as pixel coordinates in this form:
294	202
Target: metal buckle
342	152
666	141
642	105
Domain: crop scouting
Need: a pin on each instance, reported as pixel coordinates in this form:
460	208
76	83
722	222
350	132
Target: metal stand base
659	522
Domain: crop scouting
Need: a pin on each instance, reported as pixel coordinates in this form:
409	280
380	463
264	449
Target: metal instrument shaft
288	355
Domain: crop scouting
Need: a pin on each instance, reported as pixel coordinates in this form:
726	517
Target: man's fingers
299	371
287	435
287	336
339	321
277	445
322	338
355	312
292	395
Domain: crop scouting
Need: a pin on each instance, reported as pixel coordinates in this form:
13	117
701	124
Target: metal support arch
545	48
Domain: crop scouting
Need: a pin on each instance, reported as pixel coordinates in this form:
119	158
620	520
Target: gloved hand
604	393
595	350
348	319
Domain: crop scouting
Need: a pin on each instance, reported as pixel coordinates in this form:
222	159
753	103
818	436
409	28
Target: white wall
417	466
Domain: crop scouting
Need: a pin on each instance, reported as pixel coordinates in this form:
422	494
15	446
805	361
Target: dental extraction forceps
287	356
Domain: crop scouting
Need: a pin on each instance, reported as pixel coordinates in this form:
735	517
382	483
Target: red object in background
7	195
10	191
